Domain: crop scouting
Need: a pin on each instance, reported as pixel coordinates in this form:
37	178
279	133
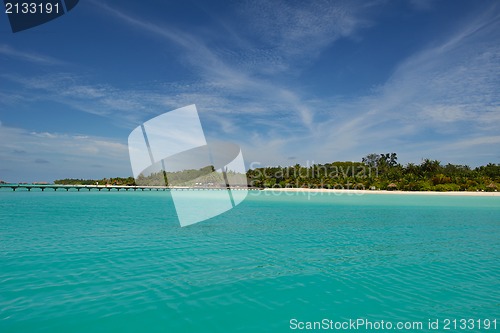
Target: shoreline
286	189
361	192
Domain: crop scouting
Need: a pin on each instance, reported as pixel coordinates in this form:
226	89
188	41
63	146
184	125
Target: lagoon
119	262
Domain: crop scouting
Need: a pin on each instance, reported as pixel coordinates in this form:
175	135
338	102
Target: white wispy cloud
301	30
37	156
449	90
449	87
230	88
33	57
318	24
125	107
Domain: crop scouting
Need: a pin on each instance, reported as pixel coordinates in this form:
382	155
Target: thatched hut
491	187
392	187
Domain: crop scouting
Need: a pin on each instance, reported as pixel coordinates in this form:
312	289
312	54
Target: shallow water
119	262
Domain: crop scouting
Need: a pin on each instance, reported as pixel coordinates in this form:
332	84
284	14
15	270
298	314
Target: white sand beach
360	192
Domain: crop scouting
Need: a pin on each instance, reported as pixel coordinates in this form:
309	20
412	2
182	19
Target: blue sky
289	81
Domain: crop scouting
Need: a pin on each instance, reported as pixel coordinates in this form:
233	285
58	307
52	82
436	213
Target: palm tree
430	167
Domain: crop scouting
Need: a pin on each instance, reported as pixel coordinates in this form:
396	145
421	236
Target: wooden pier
29	187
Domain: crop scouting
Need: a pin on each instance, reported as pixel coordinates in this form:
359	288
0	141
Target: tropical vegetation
380	171
104	181
375	171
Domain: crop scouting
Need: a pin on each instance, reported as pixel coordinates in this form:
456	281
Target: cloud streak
448	90
32	57
318	25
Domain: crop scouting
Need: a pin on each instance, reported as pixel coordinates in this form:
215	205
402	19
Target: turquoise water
119	262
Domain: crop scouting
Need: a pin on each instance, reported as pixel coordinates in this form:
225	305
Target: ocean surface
119	262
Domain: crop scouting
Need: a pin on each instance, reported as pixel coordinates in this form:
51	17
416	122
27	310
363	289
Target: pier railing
55	187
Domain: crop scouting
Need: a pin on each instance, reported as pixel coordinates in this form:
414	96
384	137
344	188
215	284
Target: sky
288	81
